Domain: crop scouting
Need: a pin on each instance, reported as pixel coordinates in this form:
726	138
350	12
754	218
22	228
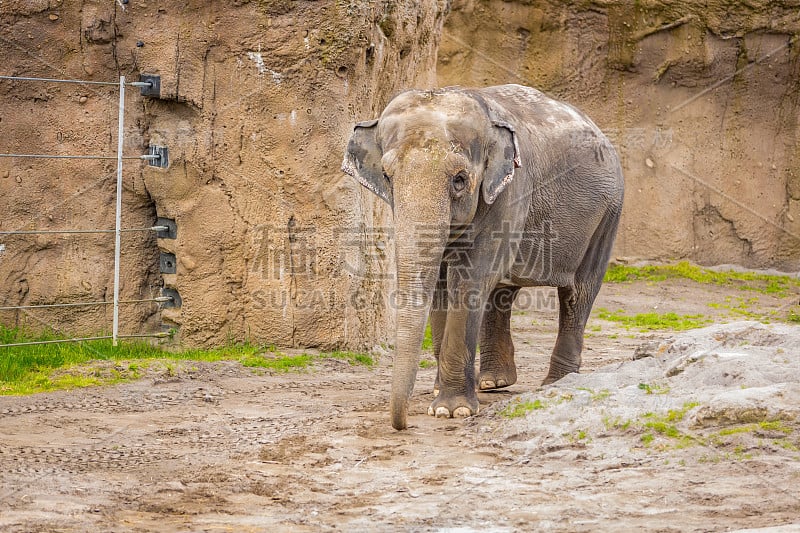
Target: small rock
188	263
139	44
650	349
4	174
18	179
83	99
649	163
53	17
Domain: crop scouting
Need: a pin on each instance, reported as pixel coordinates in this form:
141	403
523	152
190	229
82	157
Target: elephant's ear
503	159
362	160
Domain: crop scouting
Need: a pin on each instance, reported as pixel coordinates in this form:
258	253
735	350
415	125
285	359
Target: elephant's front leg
457	397
438	320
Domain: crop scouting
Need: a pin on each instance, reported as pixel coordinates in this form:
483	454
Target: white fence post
118	227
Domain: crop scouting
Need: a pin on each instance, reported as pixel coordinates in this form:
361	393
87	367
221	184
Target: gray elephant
492	190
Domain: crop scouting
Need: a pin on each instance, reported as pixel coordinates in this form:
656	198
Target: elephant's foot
556	373
453	407
497	379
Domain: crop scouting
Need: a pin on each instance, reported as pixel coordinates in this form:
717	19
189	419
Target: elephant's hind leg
498	369
575	301
575	304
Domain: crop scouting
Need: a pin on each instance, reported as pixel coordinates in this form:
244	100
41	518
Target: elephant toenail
487	384
442	412
430	410
462	412
501	383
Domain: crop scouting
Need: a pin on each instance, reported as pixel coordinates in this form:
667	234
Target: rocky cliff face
274	243
256	102
700	98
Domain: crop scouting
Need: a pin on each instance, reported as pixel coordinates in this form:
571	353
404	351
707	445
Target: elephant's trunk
419	255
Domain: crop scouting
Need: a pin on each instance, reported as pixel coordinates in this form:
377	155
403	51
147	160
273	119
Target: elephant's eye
460	181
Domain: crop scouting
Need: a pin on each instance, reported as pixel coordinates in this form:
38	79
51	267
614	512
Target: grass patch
427	363
427	340
596	396
741	308
776	285
765	425
354	358
283	363
653	389
46	367
664	425
616	423
653	321
519	408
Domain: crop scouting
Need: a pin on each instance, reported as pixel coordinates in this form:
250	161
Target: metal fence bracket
175	298
172	229
154	89
162	161
167	263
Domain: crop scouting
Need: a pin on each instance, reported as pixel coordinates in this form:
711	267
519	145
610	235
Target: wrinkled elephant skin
492	190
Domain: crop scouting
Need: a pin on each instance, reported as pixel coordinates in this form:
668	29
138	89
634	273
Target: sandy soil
217	447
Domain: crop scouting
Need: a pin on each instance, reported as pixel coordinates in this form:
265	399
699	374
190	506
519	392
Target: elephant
492	189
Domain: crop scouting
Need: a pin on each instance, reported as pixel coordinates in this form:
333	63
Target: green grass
427	363
616	423
354	358
776	285
663	432
519	408
653	321
284	363
653	389
39	368
427	340
664	425
765	425
597	396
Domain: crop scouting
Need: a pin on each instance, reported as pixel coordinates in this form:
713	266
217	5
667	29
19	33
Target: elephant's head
434	156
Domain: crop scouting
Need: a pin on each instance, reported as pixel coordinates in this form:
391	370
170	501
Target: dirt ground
218	447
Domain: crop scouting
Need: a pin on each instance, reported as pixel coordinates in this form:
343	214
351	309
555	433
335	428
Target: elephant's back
571	173
558	137
530	109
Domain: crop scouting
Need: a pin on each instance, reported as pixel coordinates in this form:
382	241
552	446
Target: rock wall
257	99
274	243
701	99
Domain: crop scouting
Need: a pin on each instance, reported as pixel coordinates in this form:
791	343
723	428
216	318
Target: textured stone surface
257	100
701	99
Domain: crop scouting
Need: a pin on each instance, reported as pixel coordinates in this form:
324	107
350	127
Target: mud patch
626	445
